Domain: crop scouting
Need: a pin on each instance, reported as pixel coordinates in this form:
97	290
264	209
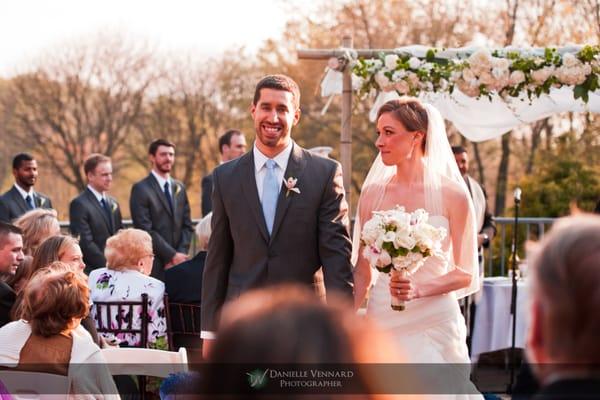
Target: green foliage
563	176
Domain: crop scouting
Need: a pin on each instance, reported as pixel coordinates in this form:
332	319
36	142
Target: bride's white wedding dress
429	330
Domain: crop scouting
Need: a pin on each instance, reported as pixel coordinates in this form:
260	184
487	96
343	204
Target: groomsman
94	215
21	197
159	205
232	144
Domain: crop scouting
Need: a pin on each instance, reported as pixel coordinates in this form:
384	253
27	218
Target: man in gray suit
279	212
21	197
94	215
159	205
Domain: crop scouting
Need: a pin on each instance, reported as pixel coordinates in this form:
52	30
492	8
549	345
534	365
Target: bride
416	169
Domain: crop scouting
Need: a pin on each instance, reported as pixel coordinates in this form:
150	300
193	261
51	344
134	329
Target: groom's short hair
566	272
278	82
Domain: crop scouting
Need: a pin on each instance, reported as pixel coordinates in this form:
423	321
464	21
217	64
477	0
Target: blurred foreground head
564	325
289	325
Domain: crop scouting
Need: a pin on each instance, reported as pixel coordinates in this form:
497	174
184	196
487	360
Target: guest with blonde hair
126	277
37	225
50	338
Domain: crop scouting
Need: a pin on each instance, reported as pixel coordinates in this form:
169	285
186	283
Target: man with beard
159	205
21	197
11	256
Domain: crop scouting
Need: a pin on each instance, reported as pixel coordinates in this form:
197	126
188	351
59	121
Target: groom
267	231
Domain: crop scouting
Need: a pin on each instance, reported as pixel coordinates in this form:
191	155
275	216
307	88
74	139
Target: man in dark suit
159	205
94	215
21	197
11	255
279	212
562	344
232	144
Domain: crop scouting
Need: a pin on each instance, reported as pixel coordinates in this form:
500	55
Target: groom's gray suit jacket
310	230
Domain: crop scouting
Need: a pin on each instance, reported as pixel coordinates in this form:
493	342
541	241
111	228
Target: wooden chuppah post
346	133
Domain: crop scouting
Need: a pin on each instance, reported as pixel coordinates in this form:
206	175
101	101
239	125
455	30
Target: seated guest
290	325
56	248
562	345
37	225
11	256
50	339
126	277
183	284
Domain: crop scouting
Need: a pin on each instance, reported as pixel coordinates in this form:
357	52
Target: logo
257	378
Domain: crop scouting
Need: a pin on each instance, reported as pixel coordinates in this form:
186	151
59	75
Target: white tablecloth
493	322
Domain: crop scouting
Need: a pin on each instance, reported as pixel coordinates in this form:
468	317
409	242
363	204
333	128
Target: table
492	329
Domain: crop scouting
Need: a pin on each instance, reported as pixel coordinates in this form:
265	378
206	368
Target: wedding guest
37	225
562	344
126	277
11	256
288	325
94	215
21	197
159	205
232	144
50	339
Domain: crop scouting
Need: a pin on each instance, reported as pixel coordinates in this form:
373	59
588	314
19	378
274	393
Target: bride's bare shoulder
454	193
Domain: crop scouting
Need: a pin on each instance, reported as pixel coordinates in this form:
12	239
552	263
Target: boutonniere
42	201
290	184
114	207
177	189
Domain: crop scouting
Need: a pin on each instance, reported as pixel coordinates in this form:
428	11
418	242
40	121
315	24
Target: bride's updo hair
410	112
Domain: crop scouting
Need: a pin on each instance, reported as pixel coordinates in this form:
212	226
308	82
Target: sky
31	27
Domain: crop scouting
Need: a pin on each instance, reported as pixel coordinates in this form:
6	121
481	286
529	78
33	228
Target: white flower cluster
482	73
399	239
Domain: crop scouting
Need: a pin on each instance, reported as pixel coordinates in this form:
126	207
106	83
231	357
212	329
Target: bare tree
81	99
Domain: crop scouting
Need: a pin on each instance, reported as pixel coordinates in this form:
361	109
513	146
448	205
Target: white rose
404	239
402	87
418	216
357	82
391	61
482	58
389	237
383	81
427	66
569	60
455	76
501	63
468	75
486	78
384	259
414	63
500	73
443	84
468	88
516	77
540	76
371	254
398	75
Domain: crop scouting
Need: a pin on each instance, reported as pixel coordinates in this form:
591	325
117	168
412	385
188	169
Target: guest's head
162	156
275	110
232	144
55	300
98	170
25	170
462	159
129	249
58	248
401	130
203	231
290	325
564	323
11	249
37	225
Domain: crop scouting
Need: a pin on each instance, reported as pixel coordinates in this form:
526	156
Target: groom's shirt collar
280	159
161	181
23	193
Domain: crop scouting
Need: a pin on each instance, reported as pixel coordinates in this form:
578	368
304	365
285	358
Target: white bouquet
396	240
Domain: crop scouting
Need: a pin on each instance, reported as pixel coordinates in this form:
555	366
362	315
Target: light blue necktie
270	194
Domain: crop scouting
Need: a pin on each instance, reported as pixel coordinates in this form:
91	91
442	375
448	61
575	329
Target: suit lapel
295	169
19	200
250	192
96	204
159	193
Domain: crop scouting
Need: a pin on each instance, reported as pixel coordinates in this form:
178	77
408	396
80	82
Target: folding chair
35	385
183	322
125	312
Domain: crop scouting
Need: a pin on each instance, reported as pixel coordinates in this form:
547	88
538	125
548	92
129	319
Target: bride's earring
412	149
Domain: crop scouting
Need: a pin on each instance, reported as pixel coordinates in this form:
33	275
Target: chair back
183	324
125	313
145	362
34	385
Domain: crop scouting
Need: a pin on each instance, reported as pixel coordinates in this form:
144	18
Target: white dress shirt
161	181
260	170
24	194
99	196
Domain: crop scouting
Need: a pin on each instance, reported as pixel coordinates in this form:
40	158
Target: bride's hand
403	288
